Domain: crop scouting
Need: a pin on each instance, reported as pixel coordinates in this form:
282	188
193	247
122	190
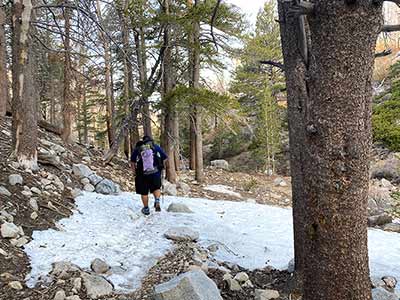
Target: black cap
147	138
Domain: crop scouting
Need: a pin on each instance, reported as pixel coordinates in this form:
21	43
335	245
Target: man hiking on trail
147	161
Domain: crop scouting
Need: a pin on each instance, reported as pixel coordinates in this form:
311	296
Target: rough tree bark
337	140
196	139
169	106
68	108
24	121
4	94
110	105
197	115
295	71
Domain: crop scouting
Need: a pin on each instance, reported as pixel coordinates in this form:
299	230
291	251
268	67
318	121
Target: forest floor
56	201
53	190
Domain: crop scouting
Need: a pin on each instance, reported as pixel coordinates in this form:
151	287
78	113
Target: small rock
170	188
81	170
183	187
63	270
392	227
107	187
73	297
99	266
85	181
386	184
4	191
60	295
382	294
33	203
96	286
16	285
19	242
45	182
390	281
220	164
266	294
379	220
179	208
241	277
9	230
35	190
89	188
194	285
182	234
77	284
233	284
280	182
291	266
86	159
248	284
5	216
76	193
377	282
27	193
34	215
15	179
2	252
95	179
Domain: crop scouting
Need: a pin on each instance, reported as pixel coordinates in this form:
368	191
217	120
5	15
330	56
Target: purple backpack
147	155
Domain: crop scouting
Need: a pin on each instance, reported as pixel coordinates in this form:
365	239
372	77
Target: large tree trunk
196	118
337	125
68	108
295	70
4	95
169	106
141	58
108	80
24	122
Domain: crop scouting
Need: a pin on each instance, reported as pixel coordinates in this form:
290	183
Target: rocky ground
37	200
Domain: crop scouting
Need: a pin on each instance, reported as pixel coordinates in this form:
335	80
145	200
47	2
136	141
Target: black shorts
146	184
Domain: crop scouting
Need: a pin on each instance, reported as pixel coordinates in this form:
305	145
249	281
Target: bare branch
391	28
383	53
273	63
213	18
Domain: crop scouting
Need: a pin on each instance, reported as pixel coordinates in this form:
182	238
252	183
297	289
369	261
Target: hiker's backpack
150	159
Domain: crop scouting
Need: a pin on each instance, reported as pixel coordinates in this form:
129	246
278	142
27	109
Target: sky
250	7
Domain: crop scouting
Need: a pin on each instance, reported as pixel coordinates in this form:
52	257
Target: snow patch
222	189
112	228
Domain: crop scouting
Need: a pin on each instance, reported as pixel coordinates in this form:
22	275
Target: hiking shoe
157	205
146	211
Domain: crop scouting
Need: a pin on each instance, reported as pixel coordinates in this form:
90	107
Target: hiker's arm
133	161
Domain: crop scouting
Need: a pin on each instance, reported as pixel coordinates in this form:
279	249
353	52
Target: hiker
148	161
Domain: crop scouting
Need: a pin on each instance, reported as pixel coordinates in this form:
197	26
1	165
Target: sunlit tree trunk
68	108
169	106
4	93
24	122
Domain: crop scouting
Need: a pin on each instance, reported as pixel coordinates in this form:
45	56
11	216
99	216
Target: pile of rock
93	183
8	230
383	288
72	281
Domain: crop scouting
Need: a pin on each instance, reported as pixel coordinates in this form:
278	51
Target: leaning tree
329	48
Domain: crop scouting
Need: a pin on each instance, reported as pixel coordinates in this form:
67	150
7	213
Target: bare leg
145	200
157	195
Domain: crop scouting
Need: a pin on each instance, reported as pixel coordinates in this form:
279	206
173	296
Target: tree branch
390	28
383	53
213	18
273	63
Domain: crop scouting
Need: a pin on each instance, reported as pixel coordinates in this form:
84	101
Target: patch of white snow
112	228
222	189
